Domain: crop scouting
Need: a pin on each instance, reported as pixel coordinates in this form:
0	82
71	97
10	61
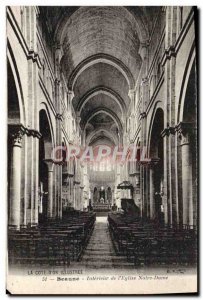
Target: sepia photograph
102	150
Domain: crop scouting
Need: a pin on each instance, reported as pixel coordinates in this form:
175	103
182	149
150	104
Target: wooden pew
53	243
146	242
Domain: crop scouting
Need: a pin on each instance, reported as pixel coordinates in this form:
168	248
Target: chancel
86	85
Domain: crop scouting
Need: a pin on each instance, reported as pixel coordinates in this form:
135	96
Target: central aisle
100	253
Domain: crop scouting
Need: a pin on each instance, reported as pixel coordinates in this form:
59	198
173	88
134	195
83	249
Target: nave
102	120
100	253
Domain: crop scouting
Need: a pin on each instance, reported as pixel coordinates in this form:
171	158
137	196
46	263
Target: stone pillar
59	120
16	133
169	65
76	196
91	197
187	181
33	139
184	134
55	192
143	169
58	187
144	97
166	166
71	190
170	199
50	165
152	164
144	183
152	192
81	198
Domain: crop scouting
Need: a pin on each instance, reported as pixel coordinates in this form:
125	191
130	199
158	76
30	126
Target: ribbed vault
101	74
94	30
101	63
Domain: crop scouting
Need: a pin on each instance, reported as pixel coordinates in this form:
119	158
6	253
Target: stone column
35	136
76	195
143	186
152	164
50	165
169	197
184	134
143	169
169	65
81	197
55	192
152	192
144	97
16	133
58	184
71	191
92	198
59	120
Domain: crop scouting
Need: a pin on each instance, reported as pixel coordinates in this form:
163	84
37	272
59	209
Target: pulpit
129	207
128	204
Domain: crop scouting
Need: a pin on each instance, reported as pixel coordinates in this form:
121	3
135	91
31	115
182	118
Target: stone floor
100	253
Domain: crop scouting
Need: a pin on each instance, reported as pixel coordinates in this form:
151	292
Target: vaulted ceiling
101	61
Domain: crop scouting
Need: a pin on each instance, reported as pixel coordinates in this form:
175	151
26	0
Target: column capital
142	115
58	46
50	164
149	162
16	132
59	116
70	95
168	53
184	130
167	131
78	117
184	127
131	93
143	49
144	80
34	133
14	128
153	162
59	163
57	81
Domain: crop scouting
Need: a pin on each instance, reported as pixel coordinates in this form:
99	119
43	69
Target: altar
101	205
102	199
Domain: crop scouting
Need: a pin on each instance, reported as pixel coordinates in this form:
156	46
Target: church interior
102	76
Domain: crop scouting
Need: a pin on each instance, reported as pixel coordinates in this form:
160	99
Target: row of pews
144	242
54	243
